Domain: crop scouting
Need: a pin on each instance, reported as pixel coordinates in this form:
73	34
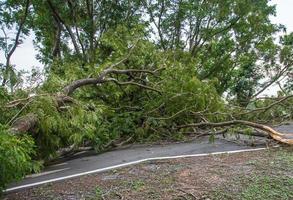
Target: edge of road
127	164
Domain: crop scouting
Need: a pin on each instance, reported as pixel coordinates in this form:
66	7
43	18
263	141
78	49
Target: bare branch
273	80
68	90
17	102
284	138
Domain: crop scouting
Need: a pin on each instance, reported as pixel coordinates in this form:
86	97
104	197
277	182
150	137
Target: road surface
134	153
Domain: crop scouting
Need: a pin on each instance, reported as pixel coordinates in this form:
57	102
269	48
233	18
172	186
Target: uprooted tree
117	72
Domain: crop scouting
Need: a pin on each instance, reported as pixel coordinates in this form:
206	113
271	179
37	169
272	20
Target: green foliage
182	94
52	127
15	157
4	98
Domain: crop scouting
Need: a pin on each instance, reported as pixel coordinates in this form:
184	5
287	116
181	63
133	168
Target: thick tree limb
68	90
284	138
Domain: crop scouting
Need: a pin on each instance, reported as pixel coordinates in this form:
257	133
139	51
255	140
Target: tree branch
284	138
273	80
72	36
269	106
16	42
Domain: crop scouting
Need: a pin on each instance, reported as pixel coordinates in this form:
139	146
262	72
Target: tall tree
13	16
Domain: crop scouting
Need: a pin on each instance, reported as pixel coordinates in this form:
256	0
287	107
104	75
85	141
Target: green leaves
15	157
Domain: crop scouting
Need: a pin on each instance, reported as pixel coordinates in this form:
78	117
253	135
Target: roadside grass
272	179
98	193
257	188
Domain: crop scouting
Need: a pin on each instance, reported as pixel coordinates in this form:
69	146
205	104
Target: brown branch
284	138
69	89
127	71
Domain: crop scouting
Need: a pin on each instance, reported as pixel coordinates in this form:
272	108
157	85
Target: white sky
24	56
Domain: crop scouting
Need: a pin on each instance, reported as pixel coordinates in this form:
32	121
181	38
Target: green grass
259	188
271	180
137	184
98	193
266	187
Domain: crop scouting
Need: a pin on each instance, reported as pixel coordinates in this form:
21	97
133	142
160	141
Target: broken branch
284	138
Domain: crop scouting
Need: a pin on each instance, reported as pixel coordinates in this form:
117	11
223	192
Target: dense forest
124	71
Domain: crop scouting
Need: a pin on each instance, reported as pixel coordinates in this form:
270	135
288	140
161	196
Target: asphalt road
134	153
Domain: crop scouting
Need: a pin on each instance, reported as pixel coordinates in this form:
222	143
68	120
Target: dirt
188	178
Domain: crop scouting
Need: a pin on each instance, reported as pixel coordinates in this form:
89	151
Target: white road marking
127	164
60	164
46	172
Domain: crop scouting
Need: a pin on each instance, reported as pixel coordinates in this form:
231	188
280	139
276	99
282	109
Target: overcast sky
24	56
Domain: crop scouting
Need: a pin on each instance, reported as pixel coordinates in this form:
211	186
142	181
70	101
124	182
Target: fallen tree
64	99
28	122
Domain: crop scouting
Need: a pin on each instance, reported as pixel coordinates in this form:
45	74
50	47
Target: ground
261	175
